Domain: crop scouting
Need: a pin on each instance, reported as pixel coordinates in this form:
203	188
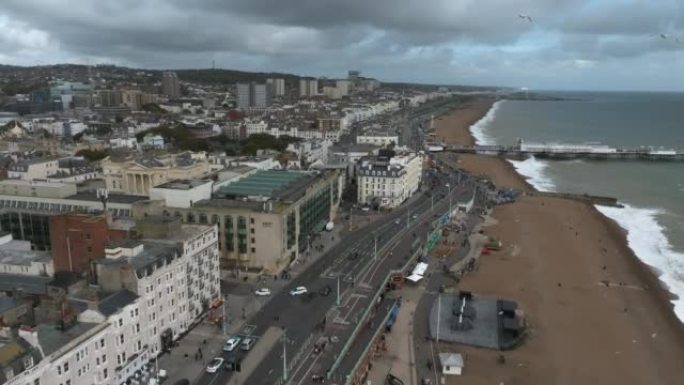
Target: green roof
264	183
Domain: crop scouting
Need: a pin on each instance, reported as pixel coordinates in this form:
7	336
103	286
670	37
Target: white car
231	344
398	221
262	292
298	291
214	365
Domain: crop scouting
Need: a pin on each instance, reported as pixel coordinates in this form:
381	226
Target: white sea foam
535	171
646	237
478	130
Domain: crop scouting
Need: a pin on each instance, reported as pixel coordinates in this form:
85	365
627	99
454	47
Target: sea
652	192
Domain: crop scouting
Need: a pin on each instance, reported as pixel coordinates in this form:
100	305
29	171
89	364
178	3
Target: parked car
214	365
231	344
264	291
298	291
247	344
232	363
325	290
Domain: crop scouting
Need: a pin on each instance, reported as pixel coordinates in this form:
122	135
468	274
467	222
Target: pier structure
560	151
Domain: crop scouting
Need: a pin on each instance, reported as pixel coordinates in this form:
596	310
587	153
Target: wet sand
596	314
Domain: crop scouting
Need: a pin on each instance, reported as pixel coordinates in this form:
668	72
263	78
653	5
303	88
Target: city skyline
588	45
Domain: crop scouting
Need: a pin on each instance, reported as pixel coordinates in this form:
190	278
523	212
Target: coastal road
300	317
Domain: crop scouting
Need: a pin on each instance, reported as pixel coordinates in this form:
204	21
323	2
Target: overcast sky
571	44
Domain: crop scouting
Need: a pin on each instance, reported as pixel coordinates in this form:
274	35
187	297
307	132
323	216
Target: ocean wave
646	237
478	129
534	170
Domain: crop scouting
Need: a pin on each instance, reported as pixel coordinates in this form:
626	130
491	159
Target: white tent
414	278
418	272
420	268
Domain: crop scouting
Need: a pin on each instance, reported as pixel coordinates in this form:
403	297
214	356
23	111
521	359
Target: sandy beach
596	314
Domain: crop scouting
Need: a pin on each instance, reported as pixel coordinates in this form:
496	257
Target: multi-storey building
308	87
265	219
388	179
174	270
171	85
137	176
277	85
253	95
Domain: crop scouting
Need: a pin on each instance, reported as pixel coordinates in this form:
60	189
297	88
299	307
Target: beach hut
452	363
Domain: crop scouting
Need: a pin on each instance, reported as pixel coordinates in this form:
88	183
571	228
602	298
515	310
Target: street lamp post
449	187
337	300
225	321
284	356
375	247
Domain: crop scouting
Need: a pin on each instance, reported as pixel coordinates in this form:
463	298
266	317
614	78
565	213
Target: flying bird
663	36
526	17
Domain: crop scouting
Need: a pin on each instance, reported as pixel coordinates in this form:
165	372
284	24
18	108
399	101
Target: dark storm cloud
475	40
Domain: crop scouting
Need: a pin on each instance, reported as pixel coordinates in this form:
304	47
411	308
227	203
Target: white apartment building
157	290
388	181
278	86
308	88
378	140
81	355
31	169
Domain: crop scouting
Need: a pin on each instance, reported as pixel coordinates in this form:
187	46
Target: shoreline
593	248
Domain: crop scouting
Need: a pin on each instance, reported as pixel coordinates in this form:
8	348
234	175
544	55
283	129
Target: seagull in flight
526	17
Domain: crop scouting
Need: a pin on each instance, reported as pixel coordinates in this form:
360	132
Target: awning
414	277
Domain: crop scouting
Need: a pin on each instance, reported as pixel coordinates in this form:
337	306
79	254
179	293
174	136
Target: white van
247	344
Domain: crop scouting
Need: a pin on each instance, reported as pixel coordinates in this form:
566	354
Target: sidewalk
399	359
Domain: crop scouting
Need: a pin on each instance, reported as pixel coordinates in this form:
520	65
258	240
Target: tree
92	155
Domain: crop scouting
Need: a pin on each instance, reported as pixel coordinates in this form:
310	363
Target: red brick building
78	238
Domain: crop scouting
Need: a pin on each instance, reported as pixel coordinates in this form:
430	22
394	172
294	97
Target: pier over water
570	151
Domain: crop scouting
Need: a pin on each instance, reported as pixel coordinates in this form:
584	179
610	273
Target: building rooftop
365	148
116	301
184	184
52	339
22	257
27	284
114	198
273	184
7	303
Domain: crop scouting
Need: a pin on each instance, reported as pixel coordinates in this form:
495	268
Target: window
36	381
104	373
136	311
59	370
253	250
97	360
137	328
90	249
121	339
120	322
66	367
104	358
102	344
